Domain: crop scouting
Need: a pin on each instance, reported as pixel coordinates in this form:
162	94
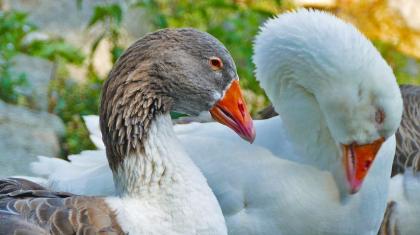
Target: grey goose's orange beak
231	111
357	161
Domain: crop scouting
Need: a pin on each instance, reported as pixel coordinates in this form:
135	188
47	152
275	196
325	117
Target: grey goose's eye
215	63
379	116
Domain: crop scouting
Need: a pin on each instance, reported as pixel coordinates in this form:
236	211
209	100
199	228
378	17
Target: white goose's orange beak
357	162
231	111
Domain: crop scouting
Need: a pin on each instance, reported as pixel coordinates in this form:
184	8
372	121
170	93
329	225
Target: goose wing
28	208
405	186
389	223
268	112
407	155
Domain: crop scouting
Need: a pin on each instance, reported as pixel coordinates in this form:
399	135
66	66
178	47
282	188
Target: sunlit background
55	54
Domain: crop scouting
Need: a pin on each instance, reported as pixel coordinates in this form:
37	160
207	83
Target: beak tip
231	111
250	139
355	186
354	190
250	134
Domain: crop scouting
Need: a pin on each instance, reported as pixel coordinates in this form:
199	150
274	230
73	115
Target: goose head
337	96
180	70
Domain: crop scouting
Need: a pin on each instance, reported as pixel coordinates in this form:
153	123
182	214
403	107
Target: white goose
340	107
403	210
159	189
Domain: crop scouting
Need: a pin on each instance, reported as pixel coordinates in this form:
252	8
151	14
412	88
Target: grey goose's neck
133	105
156	165
163	71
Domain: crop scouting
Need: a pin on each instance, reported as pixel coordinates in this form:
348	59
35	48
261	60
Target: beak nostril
231	111
368	163
241	108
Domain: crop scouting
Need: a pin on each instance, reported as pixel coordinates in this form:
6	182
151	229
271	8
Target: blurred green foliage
13	28
110	16
71	100
14	31
55	50
406	69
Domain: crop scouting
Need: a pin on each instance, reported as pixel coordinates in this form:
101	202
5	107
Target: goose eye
379	116
216	63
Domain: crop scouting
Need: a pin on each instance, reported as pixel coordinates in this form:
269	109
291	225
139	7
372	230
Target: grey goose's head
181	70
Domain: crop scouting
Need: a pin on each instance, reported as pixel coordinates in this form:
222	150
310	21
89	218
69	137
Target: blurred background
55	54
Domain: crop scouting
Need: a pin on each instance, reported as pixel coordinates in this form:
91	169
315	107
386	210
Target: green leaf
116	53
56	49
175	115
101	13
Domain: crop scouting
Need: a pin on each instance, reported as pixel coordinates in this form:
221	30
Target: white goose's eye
215	63
379	116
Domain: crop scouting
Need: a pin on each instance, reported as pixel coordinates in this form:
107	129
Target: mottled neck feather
131	101
128	107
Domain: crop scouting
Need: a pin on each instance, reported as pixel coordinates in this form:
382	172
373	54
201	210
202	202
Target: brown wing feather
267	112
389	223
28	208
408	134
13	184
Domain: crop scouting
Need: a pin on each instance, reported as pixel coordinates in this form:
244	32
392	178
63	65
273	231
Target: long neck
306	127
136	129
308	130
164	181
291	75
157	165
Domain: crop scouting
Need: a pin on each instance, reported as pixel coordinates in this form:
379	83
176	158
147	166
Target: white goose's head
337	96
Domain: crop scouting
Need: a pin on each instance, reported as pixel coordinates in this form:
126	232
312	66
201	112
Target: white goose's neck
308	131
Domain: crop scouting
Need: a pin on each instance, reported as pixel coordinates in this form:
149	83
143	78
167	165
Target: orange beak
231	111
357	161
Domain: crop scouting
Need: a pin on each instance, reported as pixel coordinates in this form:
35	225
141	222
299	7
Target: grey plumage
408	135
165	70
268	112
407	154
389	225
28	208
